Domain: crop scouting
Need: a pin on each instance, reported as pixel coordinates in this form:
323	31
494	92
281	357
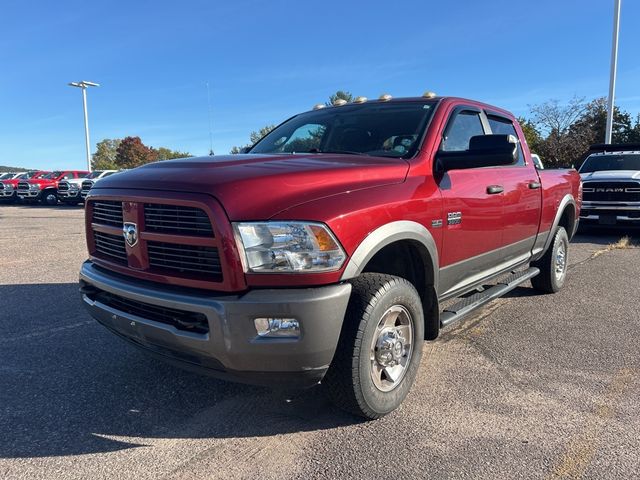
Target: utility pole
83	85
614	67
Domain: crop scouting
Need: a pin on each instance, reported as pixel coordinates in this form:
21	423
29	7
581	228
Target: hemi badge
436	223
454	218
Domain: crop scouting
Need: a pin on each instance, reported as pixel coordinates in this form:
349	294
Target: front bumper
70	195
610	213
230	349
7	193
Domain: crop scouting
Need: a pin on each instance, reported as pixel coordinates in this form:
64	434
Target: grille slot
180	319
23	186
611	192
175	219
185	258
63	187
107	213
112	246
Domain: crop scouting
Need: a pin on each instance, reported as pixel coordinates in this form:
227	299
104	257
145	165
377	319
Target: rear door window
504	126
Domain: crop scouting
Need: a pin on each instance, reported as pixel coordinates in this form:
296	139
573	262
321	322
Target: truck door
522	200
472	209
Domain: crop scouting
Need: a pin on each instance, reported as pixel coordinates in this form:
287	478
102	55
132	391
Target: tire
357	381
49	198
553	264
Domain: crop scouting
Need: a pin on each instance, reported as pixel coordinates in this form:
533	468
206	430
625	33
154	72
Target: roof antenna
210	124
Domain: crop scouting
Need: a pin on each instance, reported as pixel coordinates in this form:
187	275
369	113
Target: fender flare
562	206
386	235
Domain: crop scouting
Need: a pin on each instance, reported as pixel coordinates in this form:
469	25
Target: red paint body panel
353	195
14	181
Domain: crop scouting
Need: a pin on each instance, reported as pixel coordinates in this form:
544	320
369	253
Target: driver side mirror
484	151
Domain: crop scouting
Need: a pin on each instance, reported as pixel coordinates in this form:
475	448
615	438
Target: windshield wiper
345	152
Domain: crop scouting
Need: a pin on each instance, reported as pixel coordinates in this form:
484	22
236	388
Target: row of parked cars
48	188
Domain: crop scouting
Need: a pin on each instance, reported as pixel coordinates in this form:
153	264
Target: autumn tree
132	153
105	156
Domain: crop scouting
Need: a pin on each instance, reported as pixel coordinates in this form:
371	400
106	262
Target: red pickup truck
44	189
328	251
9	188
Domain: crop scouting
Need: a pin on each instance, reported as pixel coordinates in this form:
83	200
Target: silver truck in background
611	185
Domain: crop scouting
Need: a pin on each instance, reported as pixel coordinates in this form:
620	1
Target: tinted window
463	126
375	128
503	126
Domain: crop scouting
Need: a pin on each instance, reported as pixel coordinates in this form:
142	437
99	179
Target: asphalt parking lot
533	386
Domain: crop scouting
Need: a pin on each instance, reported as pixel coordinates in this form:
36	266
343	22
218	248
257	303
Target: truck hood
41	181
260	186
606	175
76	181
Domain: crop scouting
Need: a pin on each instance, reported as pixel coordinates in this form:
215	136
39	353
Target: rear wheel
553	265
380	346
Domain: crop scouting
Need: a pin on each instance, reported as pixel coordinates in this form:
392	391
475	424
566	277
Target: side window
503	126
460	130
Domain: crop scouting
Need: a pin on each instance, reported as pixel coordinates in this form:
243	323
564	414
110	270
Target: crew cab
611	185
44	189
9	187
70	191
327	252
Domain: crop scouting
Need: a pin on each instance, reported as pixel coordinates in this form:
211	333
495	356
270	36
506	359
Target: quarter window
463	126
503	126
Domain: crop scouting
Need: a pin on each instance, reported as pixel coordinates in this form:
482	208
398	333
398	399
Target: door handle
534	185
493	189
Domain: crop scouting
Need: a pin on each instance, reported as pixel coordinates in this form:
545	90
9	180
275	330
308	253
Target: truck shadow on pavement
69	387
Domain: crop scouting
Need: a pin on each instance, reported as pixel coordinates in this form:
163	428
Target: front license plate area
607	220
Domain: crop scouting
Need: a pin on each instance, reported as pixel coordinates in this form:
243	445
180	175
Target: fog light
277	327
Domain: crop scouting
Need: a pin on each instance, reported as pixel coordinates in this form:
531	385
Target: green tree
339	95
132	153
595	119
105	156
167	154
254	137
531	134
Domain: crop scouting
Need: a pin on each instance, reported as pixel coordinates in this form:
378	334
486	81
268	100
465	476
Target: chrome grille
175	219
107	213
23	186
185	258
112	246
1	186
611	191
86	186
63	187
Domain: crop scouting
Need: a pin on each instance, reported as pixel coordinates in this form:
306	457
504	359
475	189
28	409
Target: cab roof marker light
319	106
385	97
360	100
428	94
338	102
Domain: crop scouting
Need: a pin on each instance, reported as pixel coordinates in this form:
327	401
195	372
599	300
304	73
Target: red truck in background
327	251
9	188
44	189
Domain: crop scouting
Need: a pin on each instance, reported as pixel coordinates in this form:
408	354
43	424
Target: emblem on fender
130	232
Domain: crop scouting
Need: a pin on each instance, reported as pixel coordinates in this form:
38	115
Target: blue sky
267	60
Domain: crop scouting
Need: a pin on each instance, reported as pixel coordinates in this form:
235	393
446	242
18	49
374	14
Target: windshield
51	175
6	176
598	163
377	129
94	174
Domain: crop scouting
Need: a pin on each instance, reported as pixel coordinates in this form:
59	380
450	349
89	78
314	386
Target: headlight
34	186
274	247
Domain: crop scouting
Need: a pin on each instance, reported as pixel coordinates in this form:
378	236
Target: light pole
83	85
614	67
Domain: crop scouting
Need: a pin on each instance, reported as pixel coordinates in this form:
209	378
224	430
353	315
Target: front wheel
380	346
553	265
49	198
